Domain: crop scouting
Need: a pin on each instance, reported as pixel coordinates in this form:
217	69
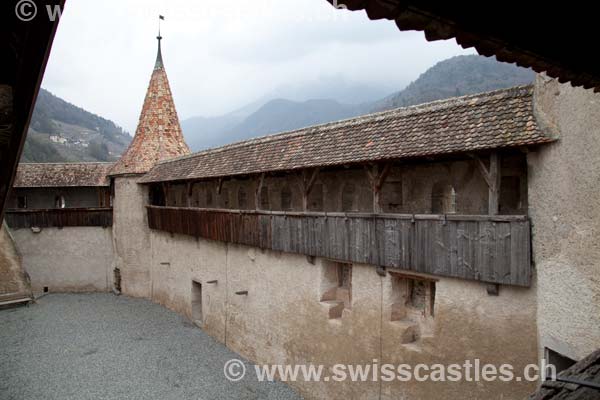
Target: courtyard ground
100	346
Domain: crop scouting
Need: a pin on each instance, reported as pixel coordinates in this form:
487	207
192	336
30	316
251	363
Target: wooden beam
494	192
377	177
493	178
219	185
165	189
307	185
261	181
190	189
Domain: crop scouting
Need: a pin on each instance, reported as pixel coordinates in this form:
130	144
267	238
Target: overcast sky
223	54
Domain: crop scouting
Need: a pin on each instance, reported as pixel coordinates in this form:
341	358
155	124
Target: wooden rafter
377	177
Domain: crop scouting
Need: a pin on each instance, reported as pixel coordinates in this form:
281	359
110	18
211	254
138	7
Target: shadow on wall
14	281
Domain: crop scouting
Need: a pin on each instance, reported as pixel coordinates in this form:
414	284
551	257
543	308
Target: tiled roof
158	136
587	370
62	175
498	119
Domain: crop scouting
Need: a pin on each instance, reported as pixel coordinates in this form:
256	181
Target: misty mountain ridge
456	76
62	132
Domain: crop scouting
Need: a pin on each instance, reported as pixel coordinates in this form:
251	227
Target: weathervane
159	60
160	18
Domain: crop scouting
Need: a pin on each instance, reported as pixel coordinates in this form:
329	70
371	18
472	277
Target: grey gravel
100	346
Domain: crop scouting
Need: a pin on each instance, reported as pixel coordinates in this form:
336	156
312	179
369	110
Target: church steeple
158	135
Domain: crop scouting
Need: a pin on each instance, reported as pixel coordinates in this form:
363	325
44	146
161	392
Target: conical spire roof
158	136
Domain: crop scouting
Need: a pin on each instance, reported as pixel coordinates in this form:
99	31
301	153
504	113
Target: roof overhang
24	51
545	38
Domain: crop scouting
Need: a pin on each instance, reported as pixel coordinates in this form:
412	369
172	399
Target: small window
348	197
443	199
412	304
337	288
209	197
197	303
315	198
59	202
242	198
22	202
264	198
286	198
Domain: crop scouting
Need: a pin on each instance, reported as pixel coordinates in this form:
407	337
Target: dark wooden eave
24	51
555	39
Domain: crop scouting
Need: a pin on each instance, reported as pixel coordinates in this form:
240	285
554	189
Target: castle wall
74	259
132	236
284	319
12	275
564	188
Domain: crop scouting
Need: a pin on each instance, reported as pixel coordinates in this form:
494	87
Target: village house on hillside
427	234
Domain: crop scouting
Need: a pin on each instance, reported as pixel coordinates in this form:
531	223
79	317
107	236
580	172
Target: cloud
221	55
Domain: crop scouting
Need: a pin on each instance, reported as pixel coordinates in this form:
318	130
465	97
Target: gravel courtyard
100	346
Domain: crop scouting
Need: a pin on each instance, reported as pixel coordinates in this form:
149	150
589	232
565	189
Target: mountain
455	76
331	87
62	132
285	115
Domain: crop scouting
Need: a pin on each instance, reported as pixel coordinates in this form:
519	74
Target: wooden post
261	181
377	179
493	178
307	185
190	189
165	188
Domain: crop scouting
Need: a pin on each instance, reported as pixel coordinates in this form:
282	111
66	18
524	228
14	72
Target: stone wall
132	236
13	279
564	188
287	318
75	259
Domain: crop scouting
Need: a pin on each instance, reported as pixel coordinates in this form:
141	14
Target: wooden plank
484	250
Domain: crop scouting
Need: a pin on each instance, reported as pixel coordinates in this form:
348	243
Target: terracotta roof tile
62	175
490	120
158	136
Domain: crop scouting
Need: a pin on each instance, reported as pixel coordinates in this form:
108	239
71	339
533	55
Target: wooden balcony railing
493	249
59	217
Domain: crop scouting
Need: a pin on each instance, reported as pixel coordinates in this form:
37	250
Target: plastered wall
13	279
564	188
132	236
282	320
74	259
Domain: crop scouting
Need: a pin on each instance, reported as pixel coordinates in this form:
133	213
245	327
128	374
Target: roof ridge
361	119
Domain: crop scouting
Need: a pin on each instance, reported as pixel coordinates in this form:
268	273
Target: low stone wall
74	259
286	319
